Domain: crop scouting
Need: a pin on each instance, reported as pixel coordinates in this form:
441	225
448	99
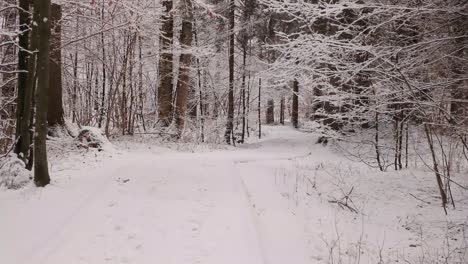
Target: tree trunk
249	85
244	109
230	118
23	59
55	116
270	112
184	67
443	194
75	87
42	15
103	94
295	105
29	101
200	90
132	91
259	108
377	142
282	111
140	82
166	64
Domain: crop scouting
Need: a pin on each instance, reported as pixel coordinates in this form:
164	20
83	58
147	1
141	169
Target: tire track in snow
39	253
271	213
251	212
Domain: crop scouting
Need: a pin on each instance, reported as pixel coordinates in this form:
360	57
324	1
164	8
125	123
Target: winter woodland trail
212	207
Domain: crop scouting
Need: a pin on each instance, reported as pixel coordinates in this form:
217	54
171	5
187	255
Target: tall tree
259	108
184	66
230	114
26	122
42	25
243	94
23	58
295	105
55	116
165	88
282	110
103	51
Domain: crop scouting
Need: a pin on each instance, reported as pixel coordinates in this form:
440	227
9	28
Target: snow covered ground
282	199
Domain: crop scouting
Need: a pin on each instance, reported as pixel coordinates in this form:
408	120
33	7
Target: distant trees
368	65
390	69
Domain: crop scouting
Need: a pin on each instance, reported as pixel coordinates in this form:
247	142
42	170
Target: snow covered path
146	208
266	202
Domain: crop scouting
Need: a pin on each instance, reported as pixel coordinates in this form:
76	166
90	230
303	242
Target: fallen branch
344	204
419	199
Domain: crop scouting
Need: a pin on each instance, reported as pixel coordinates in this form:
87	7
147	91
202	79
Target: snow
267	201
13	173
93	137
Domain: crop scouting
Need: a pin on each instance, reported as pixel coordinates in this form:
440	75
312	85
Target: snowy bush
91	137
13	173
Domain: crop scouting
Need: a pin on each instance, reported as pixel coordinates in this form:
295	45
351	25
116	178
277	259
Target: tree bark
295	105
230	118
259	108
75	88
270	112
443	194
244	106
42	15
55	113
23	58
200	90
165	88
28	106
184	67
377	142
282	111
103	93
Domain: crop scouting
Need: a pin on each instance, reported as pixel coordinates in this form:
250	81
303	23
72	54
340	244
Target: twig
420	199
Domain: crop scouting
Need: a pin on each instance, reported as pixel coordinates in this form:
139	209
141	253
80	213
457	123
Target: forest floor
282	199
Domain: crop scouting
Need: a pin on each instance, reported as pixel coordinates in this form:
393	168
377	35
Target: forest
336	130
